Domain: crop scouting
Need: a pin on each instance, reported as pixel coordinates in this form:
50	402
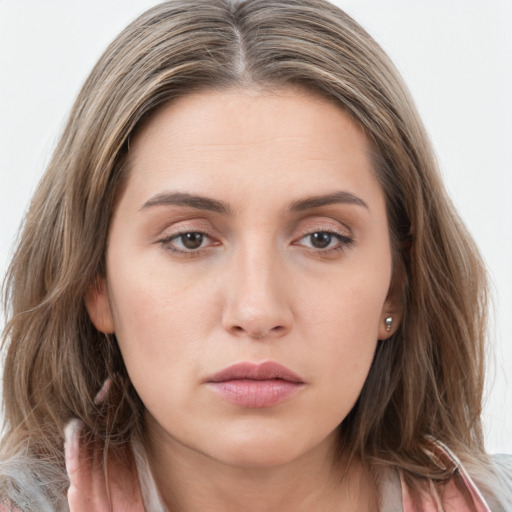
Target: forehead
286	139
254	115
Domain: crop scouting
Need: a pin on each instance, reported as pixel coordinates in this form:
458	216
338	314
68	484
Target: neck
191	481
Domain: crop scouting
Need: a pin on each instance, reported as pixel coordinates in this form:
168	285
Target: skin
256	289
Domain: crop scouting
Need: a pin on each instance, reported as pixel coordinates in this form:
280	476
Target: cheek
162	342
342	322
160	324
347	305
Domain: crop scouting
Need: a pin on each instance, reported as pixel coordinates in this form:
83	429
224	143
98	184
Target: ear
98	306
393	306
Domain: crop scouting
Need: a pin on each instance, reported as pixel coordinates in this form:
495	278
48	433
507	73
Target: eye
187	242
325	240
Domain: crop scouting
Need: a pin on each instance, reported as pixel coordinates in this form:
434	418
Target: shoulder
28	485
488	484
503	465
473	486
500	483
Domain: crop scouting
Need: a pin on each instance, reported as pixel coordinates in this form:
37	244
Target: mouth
255	385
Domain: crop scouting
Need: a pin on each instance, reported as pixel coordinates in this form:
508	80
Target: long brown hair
425	381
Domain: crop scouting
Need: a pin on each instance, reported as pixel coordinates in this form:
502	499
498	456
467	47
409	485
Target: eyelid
325	224
343	235
175	230
344	239
174	227
330	226
166	243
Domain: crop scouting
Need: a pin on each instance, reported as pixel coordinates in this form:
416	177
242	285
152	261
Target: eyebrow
192	201
214	205
339	197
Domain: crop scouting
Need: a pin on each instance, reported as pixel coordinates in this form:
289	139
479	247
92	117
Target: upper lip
263	371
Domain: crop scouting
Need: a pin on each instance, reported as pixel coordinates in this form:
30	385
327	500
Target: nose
257	304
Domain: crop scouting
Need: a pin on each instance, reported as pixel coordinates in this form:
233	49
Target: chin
259	451
259	457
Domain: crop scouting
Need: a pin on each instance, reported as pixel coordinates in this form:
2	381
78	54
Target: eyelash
166	243
344	242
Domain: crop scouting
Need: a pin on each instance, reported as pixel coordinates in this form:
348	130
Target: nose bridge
257	303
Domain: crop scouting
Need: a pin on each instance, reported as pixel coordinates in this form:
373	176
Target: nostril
247	320
278	330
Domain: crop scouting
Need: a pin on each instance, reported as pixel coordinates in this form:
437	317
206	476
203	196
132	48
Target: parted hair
426	380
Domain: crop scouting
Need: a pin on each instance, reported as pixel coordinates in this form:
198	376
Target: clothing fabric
131	486
458	494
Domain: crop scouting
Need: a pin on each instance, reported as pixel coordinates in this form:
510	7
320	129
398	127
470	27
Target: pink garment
459	494
98	484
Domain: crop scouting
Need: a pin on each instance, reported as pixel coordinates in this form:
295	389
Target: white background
456	57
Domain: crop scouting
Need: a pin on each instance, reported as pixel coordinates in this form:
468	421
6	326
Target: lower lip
256	393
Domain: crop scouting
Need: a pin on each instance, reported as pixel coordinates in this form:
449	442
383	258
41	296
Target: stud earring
389	322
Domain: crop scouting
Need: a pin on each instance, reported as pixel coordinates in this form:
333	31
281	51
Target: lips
255	385
264	371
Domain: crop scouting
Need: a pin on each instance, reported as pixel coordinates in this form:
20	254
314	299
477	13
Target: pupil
321	240
192	240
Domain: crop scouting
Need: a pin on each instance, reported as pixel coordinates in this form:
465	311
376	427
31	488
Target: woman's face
251	230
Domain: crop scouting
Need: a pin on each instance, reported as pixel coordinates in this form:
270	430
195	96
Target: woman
247	288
